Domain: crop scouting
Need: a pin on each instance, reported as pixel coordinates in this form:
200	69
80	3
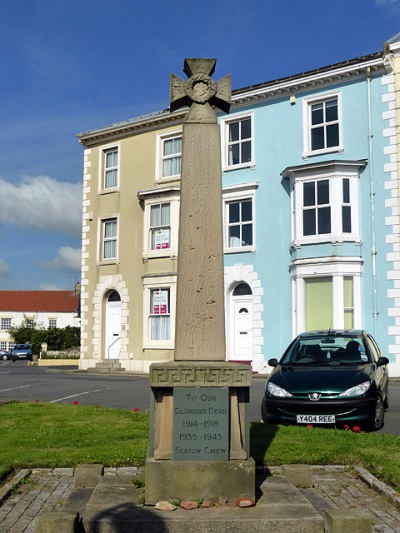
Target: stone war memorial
199	443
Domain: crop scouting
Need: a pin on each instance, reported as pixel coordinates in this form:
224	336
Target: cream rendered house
127	297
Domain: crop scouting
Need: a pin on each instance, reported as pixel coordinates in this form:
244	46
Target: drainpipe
372	197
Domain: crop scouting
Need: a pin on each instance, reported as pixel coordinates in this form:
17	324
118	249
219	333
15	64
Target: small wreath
200	88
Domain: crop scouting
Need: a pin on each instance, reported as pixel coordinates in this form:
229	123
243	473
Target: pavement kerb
390	494
6	489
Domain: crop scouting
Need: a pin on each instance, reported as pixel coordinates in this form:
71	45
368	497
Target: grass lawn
49	435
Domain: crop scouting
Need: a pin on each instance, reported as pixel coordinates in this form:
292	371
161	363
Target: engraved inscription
201	424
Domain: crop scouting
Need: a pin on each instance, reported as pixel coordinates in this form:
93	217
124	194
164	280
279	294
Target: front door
113	326
243	336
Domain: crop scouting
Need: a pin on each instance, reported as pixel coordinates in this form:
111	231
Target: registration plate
315	419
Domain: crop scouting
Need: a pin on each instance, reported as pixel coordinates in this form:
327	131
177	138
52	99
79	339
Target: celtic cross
200	89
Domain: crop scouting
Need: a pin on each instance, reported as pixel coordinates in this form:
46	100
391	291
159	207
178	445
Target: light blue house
311	218
311	209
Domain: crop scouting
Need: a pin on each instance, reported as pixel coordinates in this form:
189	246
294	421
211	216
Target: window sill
106	262
241	250
331	239
250	165
336	149
169	179
158	345
109	191
159	255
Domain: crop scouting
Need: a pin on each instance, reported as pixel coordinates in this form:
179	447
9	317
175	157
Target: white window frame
307	104
233	194
335	172
3	326
225	122
150	284
338	270
51	320
103	169
161	138
101	239
153	197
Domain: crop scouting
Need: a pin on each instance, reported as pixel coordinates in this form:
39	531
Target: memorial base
199	439
195	480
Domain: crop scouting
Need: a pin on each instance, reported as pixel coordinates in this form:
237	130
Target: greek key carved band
200	377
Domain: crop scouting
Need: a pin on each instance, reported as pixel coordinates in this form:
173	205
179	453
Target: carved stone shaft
200	327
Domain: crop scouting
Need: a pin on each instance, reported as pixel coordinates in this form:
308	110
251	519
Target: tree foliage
56	338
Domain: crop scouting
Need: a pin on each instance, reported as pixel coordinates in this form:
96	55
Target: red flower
310	426
346	427
75	402
356	429
136	410
37	401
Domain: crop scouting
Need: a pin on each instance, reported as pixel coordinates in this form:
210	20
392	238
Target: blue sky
69	66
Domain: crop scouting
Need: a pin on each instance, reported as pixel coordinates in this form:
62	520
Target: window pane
346	191
324	220
234	236
319	303
234	215
332	134
155	215
317	139
317	114
348	302
233	154
110	249
246	129
309	223
169	148
308	193
331	110
247	234
111	179
234	131
247	211
346	219
165	209
110	229
246	152
323	192
111	159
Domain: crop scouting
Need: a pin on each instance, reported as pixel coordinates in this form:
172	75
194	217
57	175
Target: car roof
333	333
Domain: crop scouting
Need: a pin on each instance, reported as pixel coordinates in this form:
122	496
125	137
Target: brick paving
337	487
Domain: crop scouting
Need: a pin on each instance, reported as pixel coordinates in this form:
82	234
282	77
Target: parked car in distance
328	378
5	355
21	351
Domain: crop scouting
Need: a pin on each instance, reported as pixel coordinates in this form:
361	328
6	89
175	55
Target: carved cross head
200	88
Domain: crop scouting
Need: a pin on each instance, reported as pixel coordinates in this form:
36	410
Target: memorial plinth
199	445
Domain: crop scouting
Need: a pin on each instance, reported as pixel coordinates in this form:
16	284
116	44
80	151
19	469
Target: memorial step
114	507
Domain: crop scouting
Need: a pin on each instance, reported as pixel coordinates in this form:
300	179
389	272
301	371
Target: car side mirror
382	361
273	362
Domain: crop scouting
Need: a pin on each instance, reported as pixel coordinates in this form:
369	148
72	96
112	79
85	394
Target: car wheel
377	422
4	357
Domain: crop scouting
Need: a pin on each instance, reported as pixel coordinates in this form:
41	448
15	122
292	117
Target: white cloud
68	259
43	203
4	270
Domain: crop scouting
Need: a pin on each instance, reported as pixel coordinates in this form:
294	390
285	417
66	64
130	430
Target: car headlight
358	390
274	390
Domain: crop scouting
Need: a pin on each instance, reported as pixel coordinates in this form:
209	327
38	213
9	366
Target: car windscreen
326	349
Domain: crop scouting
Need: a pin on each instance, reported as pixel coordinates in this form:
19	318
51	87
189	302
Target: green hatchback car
328	378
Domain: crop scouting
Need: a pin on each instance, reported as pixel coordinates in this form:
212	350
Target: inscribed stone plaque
201	424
